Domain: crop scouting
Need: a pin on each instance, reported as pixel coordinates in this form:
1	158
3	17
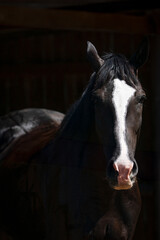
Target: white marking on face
121	96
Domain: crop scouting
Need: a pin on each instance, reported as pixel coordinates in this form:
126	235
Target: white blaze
121	96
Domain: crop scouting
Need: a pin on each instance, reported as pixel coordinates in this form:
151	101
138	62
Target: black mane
79	120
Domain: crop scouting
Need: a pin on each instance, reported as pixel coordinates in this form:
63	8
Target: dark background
43	64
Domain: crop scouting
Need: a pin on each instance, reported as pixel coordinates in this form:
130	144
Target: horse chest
92	210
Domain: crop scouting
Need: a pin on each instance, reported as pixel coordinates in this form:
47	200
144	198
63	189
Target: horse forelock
116	66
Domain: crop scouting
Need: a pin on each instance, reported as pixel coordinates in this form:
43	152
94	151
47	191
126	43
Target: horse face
118	117
118	112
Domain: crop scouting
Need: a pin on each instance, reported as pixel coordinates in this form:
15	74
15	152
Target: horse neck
79	122
77	136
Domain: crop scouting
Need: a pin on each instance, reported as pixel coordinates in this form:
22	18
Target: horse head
118	103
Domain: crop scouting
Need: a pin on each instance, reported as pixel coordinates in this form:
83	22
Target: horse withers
82	185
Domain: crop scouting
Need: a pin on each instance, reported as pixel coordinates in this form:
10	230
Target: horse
20	129
19	138
82	185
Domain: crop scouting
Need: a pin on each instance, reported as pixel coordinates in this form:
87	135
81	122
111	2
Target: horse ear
141	55
93	57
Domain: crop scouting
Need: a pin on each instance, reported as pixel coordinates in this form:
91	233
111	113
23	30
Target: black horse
82	185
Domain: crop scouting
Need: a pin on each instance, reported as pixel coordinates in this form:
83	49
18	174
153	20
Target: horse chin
123	187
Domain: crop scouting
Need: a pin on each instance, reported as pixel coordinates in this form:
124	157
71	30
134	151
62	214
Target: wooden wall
50	69
42	66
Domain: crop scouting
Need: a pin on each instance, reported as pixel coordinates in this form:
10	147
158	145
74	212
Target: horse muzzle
123	185
124	176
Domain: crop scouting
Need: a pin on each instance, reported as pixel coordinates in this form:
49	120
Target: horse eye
141	99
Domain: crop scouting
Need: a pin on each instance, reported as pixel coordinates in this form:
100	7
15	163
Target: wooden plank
43	69
58	3
33	18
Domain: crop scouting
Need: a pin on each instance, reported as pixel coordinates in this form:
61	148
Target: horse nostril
134	169
124	170
126	165
124	174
